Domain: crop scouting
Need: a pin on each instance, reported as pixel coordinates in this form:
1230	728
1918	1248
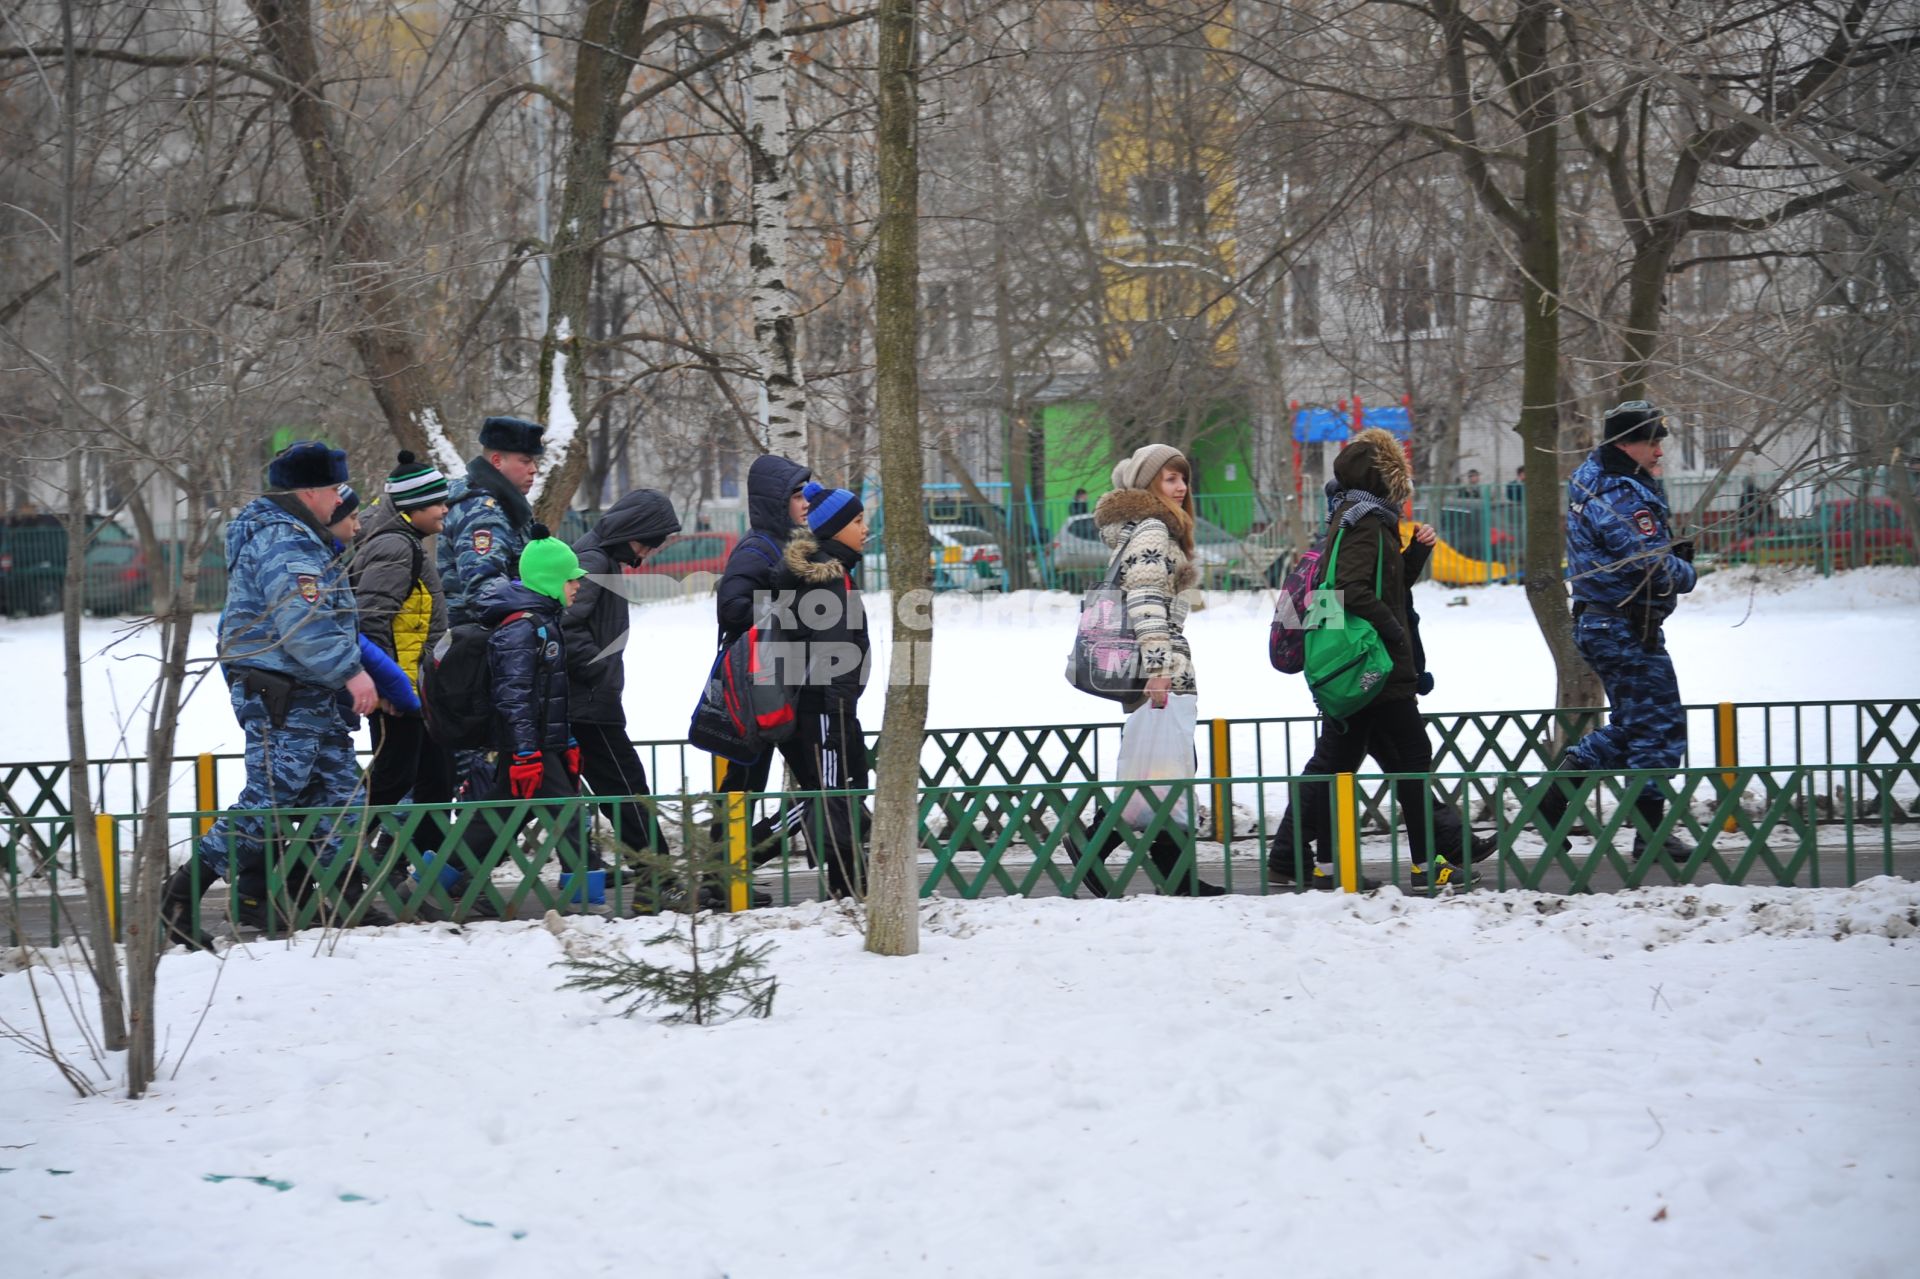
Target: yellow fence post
737	884
1222	794
1726	751
205	798
108	834
1346	822
719	773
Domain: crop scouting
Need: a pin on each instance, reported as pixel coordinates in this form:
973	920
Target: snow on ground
1674	1082
1743	636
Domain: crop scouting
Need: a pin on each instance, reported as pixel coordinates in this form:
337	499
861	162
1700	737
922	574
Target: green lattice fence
1765	825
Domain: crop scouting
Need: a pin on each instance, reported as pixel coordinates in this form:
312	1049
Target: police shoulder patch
1643	520
483	541
309	586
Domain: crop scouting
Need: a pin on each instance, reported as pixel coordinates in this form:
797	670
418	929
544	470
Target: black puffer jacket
816	585
771	483
528	661
1373	463
596	622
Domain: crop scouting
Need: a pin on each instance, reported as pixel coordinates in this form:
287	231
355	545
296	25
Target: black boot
1282	867
1652	807
1556	793
178	902
1079	848
1166	852
1327	879
359	906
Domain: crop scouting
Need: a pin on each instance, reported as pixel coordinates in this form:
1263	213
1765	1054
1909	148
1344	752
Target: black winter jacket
1373	463
596	622
755	562
528	661
833	629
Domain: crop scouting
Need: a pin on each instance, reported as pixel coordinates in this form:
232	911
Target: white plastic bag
1157	745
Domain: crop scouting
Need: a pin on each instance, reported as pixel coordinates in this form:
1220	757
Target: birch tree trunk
893	920
775	330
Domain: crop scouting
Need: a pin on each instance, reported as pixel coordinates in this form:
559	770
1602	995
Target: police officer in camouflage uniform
291	653
1627	572
488	516
488	521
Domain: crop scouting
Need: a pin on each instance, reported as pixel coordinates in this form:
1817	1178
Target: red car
687	553
1844	534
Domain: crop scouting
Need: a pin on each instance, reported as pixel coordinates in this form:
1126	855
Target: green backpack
1347	661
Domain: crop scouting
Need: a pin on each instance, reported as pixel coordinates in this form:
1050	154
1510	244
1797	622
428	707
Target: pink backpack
1287	638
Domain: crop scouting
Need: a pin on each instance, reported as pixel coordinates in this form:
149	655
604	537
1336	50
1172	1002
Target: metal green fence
1748	825
1821	735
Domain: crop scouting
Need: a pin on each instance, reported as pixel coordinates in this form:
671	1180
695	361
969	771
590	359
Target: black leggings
1395	734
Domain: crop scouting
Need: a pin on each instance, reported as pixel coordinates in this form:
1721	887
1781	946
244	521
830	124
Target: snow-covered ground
1669	1083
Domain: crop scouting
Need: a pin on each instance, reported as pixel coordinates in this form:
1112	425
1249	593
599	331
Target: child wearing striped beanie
414	484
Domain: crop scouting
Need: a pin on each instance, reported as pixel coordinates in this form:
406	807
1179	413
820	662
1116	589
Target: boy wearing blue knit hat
824	621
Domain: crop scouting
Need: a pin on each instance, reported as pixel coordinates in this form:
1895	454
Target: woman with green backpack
1368	689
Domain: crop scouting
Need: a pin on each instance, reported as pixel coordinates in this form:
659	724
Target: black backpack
456	687
744	706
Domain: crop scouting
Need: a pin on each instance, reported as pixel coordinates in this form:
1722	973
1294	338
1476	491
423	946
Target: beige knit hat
1141	469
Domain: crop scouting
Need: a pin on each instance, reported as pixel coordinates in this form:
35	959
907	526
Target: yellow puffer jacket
396	587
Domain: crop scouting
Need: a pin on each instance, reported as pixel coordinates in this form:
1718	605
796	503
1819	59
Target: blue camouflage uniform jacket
289	608
1619	544
487	524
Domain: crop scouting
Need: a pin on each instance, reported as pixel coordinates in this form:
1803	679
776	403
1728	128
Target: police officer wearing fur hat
1627	572
488	516
290	648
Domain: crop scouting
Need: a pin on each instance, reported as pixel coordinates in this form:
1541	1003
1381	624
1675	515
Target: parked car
1225	562
33	564
119	574
965	557
684	554
1845	534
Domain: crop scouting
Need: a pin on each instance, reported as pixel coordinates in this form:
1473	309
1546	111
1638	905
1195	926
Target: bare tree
892	915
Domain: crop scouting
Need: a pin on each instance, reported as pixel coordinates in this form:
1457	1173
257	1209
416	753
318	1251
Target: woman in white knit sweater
1148	522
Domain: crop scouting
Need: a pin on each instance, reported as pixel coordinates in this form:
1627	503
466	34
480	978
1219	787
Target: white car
965	557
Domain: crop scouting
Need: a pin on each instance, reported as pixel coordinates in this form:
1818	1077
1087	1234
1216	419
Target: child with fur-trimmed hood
1372	482
815	590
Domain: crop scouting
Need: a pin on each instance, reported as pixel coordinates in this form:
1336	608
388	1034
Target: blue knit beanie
829	510
349	503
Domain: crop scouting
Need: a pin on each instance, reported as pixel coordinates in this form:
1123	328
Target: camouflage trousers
1646	728
307	762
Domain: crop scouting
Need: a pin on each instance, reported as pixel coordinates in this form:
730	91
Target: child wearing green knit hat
533	754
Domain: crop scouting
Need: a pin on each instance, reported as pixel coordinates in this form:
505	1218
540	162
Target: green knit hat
548	564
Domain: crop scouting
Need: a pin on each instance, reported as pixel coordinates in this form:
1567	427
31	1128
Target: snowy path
1667	1083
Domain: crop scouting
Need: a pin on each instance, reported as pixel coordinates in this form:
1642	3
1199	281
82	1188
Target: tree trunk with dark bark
893	922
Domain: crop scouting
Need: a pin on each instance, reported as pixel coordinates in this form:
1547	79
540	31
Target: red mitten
524	774
573	758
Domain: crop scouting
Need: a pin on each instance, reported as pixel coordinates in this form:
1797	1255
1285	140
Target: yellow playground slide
1450	568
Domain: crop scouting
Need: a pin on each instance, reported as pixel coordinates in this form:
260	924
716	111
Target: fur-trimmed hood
1121	507
1374	462
1120	514
799	559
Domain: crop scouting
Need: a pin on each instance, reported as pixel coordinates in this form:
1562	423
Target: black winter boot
1556	794
1166	853
1652	807
178	903
359	906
